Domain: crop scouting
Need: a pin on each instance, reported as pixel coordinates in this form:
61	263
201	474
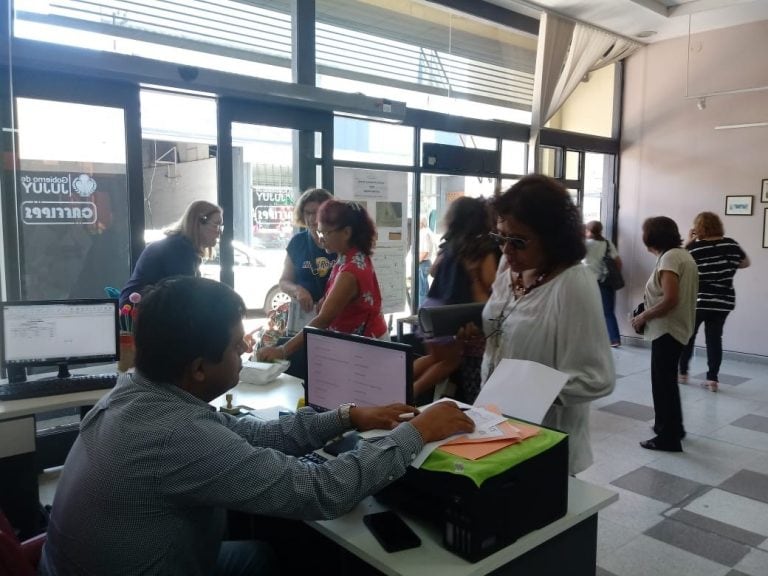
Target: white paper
522	389
485	427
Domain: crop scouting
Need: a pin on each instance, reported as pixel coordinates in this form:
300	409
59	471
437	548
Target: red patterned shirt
363	314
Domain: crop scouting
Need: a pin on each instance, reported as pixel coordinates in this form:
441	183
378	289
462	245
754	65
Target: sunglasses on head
515	241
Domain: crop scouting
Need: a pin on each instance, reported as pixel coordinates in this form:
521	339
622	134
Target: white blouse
559	324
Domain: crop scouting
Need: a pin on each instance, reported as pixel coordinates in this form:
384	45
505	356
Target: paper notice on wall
383	194
389	263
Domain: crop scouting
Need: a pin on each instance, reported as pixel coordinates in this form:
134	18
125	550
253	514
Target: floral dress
363	314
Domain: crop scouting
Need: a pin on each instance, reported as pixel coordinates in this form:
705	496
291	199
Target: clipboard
446	320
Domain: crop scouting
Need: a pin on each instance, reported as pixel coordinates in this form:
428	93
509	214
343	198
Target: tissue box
261	373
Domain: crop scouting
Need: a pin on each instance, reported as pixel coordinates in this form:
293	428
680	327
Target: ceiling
667	18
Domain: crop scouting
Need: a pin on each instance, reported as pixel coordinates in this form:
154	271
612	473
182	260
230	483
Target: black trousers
665	355
713	320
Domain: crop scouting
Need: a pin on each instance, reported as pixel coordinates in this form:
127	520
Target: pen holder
126	352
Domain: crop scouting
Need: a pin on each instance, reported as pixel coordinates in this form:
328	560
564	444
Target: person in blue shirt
307	265
180	253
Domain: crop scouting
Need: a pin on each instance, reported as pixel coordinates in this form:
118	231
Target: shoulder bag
613	279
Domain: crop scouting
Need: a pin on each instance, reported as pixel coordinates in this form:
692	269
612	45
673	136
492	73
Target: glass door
268	155
69	204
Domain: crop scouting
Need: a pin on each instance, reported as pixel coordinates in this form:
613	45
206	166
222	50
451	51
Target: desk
19	495
541	552
574	536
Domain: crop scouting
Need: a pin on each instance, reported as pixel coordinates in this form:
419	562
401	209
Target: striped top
717	261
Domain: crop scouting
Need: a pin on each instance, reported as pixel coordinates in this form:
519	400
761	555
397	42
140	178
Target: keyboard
56	386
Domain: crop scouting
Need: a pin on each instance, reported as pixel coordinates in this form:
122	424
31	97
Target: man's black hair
180	319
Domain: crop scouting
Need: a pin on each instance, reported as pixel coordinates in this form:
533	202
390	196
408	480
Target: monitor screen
45	333
343	368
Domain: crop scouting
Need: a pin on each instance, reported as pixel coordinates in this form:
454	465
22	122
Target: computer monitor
343	368
58	333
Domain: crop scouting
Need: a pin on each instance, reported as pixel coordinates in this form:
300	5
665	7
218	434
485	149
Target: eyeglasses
515	241
322	235
206	221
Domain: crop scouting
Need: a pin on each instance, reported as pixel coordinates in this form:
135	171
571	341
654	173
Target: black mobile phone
391	531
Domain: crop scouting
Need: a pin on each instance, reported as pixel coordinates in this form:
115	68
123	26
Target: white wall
674	163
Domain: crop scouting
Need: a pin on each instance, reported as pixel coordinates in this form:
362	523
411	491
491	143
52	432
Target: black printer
477	521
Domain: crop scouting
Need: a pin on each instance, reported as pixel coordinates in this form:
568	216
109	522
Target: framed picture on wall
765	229
764	191
738	205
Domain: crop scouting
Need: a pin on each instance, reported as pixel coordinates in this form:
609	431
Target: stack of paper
517	388
474	448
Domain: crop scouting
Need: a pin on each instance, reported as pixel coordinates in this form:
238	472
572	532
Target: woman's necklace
519	289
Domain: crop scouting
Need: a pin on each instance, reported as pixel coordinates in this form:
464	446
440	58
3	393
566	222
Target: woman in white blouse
545	306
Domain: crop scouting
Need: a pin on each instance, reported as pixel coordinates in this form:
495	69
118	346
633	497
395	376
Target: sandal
711	385
682	378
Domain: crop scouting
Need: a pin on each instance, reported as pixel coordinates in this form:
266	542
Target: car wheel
275	298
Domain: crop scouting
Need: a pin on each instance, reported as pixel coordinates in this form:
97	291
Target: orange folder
473	449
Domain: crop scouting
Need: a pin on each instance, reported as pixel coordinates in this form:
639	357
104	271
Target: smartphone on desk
391	531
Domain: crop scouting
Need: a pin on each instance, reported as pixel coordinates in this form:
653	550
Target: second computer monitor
342	368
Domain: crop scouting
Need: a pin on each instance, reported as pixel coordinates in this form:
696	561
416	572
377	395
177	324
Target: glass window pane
598	184
72	198
548	164
572	165
506	183
513	157
228	35
456	139
265	189
372	142
437	58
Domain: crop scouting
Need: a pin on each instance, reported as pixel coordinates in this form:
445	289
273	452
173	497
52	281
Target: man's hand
442	420
380	417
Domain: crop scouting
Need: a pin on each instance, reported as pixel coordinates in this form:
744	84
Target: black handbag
636	312
613	279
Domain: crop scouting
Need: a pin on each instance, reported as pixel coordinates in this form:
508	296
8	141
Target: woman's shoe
711	385
682	378
663	445
615	344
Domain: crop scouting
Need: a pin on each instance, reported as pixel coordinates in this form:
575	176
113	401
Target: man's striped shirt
717	261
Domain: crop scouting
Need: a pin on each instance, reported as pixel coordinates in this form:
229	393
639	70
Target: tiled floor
703	512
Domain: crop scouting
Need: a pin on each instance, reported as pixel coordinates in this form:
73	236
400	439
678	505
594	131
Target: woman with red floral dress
352	301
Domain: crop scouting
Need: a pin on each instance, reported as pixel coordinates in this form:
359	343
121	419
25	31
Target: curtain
567	51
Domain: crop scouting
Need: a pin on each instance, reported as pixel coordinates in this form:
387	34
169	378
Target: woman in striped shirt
717	257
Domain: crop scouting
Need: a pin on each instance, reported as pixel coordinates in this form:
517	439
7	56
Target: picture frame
764	191
765	229
738	205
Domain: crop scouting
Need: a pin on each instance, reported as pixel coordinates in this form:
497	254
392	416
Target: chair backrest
18	559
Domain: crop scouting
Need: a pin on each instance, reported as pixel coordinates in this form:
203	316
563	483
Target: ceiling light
645	34
749	125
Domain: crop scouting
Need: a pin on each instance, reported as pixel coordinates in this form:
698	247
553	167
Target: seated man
145	487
